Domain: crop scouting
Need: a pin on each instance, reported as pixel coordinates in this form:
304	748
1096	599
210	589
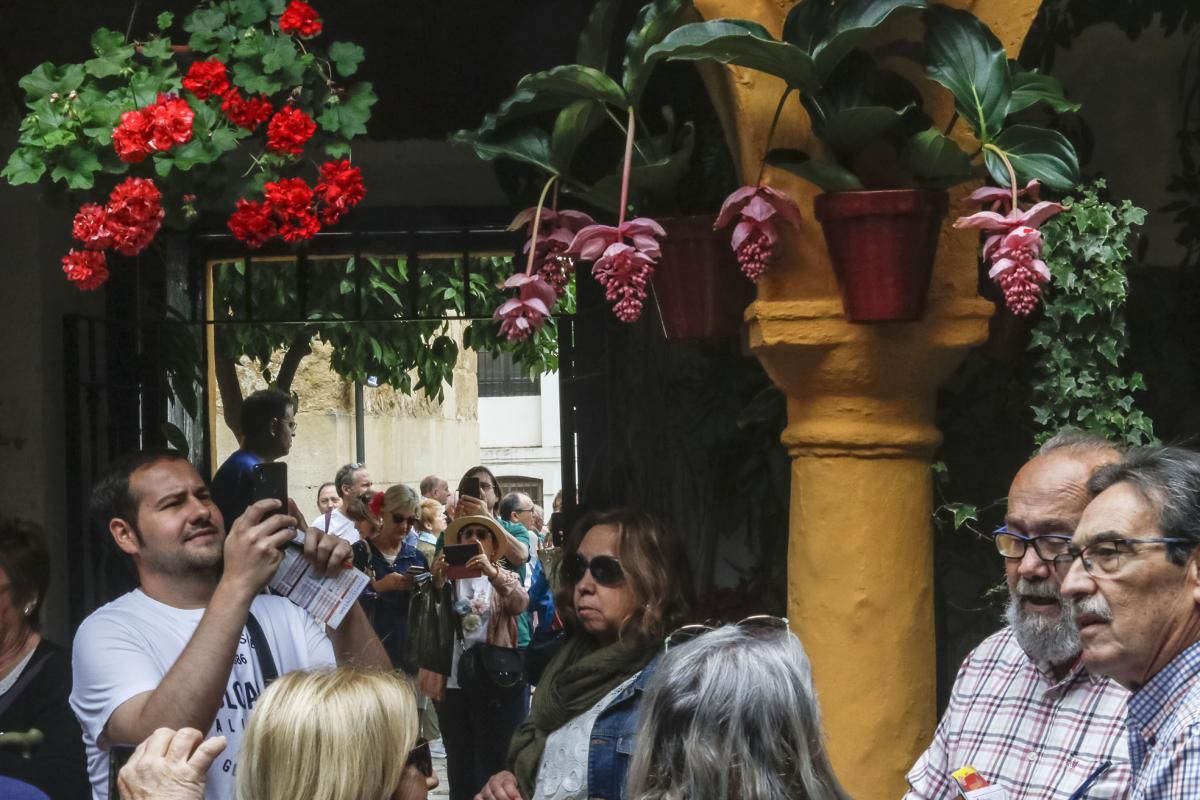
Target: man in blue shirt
268	420
1134	582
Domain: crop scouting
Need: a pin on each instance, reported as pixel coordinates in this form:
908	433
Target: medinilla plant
257	102
869	117
548	121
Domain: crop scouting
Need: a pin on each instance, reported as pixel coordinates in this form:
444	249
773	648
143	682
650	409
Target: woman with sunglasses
333	734
732	713
392	565
477	719
624	585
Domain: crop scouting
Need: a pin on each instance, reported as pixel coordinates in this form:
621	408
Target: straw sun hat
499	540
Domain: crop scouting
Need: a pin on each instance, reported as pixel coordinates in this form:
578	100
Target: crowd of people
572	671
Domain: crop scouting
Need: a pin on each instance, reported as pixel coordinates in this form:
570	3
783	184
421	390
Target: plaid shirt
1164	731
1038	737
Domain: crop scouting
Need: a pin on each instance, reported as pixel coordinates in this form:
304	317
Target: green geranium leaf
165	20
226	139
204	21
338	149
77	169
25	165
738	42
850	23
158	48
250	12
47	79
654	22
163	164
145	86
829	175
106	41
935	160
573	81
572	126
1030	87
967	58
248	76
349	117
346	57
278	54
1035	153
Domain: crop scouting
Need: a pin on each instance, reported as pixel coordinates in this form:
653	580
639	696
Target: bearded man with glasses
1024	712
1133	580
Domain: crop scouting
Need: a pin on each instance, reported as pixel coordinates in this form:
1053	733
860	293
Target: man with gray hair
352	481
1024	712
1134	584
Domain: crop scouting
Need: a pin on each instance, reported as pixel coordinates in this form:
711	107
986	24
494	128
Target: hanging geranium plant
258	107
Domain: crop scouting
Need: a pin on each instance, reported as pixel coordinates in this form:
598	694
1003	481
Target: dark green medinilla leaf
850	23
1035	153
807	23
849	130
530	146
596	36
860	103
738	42
934	160
1031	86
521	103
653	23
573	124
658	178
575	81
829	175
966	58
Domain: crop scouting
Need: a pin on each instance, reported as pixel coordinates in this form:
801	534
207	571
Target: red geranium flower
87	269
252	223
206	79
248	112
288	130
134	214
170	119
91	227
340	189
290	199
131	139
300	18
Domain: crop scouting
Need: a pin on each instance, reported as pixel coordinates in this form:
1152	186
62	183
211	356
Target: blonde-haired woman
325	735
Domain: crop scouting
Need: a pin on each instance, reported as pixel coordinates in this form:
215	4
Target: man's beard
1045	640
181	563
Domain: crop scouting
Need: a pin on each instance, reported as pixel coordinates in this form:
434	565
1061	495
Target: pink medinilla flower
1001	197
1015	249
755	236
521	316
623	269
558	229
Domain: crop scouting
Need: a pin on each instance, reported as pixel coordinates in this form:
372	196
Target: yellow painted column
861	404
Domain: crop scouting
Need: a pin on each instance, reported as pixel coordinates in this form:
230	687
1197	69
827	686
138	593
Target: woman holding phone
624	584
481	709
478	494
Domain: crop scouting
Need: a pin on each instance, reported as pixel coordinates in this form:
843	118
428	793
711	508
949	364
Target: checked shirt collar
1158	709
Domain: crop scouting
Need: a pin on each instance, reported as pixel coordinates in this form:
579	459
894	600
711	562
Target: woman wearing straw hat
483	702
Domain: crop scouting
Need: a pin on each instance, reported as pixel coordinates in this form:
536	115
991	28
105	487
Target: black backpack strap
262	650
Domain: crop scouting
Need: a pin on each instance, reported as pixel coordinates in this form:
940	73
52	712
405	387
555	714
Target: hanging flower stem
626	169
537	221
1012	173
762	167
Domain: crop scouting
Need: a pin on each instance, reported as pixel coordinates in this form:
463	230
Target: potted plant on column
884	166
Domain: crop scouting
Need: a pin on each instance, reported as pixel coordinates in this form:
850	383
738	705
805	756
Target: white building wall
520	436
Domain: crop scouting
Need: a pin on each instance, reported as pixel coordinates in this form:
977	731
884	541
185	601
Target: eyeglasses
759	622
1050	548
291	423
1106	557
523	510
421	758
606	570
400	519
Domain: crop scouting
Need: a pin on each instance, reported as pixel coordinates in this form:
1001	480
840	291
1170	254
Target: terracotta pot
882	245
700	291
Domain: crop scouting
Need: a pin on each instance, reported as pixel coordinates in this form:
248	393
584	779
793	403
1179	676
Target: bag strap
266	661
27	675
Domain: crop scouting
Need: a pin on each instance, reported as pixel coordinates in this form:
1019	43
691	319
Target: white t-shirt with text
126	647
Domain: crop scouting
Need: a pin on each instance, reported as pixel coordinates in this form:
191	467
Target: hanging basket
882	245
700	291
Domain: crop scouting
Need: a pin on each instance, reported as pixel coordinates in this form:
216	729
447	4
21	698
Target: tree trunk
231	389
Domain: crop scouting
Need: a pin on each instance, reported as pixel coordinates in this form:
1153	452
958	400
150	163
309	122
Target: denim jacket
611	749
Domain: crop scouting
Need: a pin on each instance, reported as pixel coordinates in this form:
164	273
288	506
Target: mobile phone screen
270	481
470	486
459	554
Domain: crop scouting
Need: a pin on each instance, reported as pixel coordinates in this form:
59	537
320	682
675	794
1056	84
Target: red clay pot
700	291
882	245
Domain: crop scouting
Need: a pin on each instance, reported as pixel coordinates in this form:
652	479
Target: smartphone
470	486
457	555
270	482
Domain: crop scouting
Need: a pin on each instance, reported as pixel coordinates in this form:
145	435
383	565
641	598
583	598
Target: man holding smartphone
268	421
194	645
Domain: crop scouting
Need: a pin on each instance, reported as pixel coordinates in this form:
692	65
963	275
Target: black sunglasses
421	758
606	570
400	518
